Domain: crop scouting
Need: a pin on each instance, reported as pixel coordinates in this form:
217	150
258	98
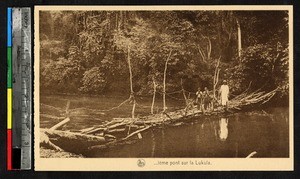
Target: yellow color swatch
9	108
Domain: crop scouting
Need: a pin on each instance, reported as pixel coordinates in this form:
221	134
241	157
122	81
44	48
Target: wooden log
117	125
115	130
168	115
60	124
45	142
129	127
139	122
96	130
100	134
136	132
76	143
115	120
251	154
86	129
177	124
72	135
134	126
98	147
109	136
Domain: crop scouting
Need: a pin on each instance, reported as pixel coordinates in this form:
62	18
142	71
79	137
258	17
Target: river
236	135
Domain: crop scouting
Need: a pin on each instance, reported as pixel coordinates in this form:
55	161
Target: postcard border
130	164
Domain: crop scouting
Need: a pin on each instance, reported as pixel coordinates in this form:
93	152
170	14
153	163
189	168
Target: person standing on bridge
207	99
199	99
224	93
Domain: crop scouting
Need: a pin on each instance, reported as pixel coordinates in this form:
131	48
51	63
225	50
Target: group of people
206	101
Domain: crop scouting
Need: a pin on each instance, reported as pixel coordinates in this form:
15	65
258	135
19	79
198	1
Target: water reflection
153	144
223	130
163	145
209	137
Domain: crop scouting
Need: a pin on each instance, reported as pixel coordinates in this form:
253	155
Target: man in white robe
224	92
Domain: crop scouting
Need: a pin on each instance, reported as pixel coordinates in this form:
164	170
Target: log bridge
126	130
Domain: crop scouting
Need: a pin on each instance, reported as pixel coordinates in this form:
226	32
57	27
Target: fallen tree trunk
76	143
72	135
81	142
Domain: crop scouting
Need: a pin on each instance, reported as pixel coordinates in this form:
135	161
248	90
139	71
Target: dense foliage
86	51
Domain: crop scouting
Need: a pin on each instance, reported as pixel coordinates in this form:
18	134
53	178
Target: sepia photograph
163	88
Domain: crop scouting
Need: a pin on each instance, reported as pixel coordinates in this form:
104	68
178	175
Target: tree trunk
183	92
84	20
133	109
216	77
164	83
116	23
208	48
131	85
121	20
50	54
67	108
201	53
239	39
154	93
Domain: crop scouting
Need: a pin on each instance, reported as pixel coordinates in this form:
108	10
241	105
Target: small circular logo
141	162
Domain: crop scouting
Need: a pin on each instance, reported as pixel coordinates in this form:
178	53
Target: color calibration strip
19	93
9	89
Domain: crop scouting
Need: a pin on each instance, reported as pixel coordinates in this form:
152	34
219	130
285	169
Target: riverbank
49	153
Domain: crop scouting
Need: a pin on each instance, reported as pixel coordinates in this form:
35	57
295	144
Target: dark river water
235	135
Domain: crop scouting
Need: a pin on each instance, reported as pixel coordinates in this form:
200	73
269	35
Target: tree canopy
86	51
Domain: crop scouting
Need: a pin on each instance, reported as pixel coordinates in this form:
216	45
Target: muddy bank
49	153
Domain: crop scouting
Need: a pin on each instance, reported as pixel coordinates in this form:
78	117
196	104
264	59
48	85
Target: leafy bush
61	75
263	66
94	81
